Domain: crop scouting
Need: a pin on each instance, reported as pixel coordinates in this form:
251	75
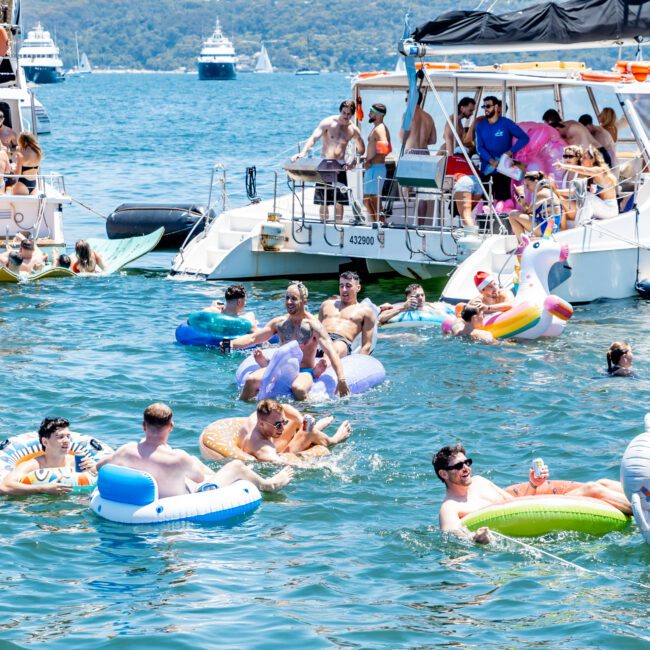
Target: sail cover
577	23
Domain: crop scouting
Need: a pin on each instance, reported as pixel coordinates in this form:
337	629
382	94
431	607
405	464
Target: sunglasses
460	465
570	155
487	106
280	424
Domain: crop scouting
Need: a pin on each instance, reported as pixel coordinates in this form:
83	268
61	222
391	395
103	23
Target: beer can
308	422
225	346
536	466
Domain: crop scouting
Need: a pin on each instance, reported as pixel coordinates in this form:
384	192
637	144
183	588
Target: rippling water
349	555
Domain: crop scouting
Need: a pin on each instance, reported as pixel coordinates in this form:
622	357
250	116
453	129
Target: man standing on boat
466	107
378	148
344	318
497	135
336	131
297	325
571	131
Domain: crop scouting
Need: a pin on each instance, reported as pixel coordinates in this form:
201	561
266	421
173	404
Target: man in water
33	258
235	304
469	324
336	131
465	110
54	436
175	471
491	298
274	433
14	262
378	148
466	493
495	136
344	318
416	300
296	325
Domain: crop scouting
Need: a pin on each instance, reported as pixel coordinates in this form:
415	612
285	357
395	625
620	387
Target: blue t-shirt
493	140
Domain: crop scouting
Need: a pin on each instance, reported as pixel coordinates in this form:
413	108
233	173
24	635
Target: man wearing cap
378	148
491	297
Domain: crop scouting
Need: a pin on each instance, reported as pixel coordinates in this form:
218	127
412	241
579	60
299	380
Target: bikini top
29	169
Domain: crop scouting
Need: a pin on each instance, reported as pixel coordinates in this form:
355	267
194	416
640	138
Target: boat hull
43	74
217	71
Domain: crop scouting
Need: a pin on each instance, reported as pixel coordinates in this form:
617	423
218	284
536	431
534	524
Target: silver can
308	422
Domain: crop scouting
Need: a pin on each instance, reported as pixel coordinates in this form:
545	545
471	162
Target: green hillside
344	35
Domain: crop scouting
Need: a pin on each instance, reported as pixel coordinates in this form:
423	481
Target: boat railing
52	180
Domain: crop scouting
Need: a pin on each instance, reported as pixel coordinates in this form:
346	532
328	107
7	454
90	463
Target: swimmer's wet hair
50	426
616	350
411	288
469	311
158	414
235	292
349	275
441	459
302	289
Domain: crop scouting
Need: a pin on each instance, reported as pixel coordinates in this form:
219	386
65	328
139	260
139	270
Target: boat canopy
545	26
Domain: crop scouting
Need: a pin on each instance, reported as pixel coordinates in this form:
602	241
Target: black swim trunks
327	193
337	337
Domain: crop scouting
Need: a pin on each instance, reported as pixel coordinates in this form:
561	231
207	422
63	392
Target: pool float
129	496
208	329
420	318
635	478
545	147
361	372
217	442
548	487
24	447
539	515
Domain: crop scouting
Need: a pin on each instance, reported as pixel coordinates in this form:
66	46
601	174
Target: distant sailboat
263	65
400	66
83	64
308	70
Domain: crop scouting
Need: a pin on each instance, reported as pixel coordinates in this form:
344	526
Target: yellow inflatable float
218	441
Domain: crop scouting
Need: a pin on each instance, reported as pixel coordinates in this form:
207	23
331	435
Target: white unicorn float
536	312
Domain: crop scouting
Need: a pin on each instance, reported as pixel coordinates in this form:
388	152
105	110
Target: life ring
375	73
548	487
539	515
129	496
21	448
217	442
224	326
638	69
418	318
603	75
432	65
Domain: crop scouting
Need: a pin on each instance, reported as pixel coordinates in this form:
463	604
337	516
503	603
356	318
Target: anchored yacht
40	59
217	59
421	234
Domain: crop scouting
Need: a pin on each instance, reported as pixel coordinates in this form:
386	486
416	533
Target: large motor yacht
217	59
421	234
40	59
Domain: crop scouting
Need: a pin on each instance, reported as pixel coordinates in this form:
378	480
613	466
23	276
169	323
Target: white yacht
217	59
422	235
263	64
40	59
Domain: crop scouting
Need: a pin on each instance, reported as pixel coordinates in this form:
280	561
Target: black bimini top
568	23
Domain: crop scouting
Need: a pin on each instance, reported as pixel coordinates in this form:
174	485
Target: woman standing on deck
28	160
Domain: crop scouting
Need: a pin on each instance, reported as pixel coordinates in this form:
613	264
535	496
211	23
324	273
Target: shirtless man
8	136
606	143
14	262
235	304
491	298
33	258
54	436
416	300
471	319
466	108
570	130
274	434
336	131
378	148
344	318
296	325
175	471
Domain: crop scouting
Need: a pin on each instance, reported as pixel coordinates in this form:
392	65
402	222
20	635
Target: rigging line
636	244
83	205
569	563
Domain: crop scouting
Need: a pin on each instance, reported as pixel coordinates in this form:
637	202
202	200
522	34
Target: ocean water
349	555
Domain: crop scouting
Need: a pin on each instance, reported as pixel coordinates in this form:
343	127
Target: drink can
308	422
536	466
225	346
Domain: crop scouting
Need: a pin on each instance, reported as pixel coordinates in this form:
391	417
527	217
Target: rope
83	205
573	565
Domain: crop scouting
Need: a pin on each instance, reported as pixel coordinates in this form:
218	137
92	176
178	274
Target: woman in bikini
88	260
28	160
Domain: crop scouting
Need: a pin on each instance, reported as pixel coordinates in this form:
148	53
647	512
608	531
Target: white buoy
635	477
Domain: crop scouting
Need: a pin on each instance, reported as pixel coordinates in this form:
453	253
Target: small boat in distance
263	65
217	59
39	57
308	69
83	64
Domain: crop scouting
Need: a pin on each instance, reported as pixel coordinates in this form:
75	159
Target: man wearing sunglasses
465	493
275	434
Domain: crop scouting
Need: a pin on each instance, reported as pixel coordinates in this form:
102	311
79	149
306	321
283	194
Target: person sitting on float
492	297
416	300
87	260
54	436
235	304
547	211
619	359
469	325
275	433
600	200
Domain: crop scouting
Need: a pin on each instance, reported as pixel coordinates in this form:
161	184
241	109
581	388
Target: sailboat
308	70
83	64
263	65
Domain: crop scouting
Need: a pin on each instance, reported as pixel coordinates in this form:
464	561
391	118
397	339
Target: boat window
641	104
575	102
606	97
532	102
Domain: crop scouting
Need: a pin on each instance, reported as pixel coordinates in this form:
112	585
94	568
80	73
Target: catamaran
421	235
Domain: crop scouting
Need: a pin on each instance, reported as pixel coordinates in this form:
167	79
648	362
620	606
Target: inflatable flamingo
544	148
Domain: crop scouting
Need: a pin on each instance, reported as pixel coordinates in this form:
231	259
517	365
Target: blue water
349	555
